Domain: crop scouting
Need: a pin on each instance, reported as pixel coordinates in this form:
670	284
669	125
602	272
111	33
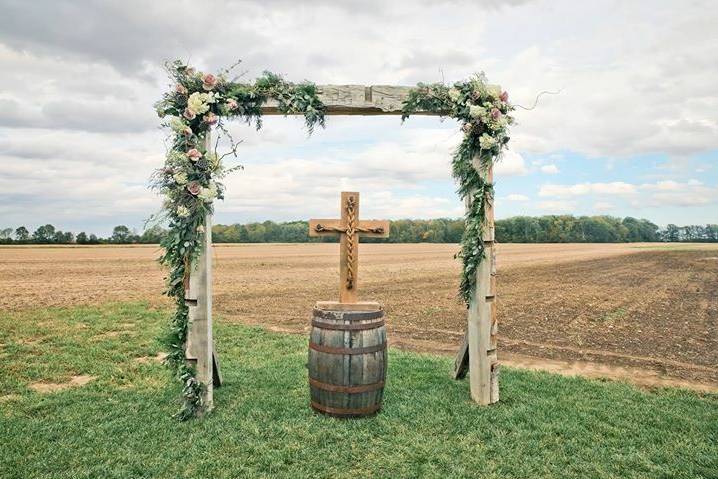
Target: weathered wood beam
481	330
358	100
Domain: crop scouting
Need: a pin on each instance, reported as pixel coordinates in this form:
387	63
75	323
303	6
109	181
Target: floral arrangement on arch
189	181
484	112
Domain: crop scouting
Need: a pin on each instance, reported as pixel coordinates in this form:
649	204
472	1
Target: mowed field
647	313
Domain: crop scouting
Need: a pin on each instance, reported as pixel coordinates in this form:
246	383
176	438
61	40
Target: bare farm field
647	313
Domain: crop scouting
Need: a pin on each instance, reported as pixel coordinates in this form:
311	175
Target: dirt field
643	312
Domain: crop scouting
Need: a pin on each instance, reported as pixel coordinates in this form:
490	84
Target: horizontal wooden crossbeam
358	100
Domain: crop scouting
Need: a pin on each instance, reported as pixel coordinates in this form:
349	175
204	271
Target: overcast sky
634	130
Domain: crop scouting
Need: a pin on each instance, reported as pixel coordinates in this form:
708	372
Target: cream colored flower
209	193
182	211
177	124
200	229
487	141
476	111
454	94
494	91
213	160
180	178
197	103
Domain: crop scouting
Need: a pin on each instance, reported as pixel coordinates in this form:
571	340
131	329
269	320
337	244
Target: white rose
476	111
454	94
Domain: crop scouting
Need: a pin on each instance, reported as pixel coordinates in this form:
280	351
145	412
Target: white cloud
550	169
78	137
516	197
582	189
511	164
555	206
603	206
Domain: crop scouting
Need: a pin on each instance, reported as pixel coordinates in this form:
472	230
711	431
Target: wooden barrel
347	362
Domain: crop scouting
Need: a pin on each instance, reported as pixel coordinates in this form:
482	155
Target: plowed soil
637	307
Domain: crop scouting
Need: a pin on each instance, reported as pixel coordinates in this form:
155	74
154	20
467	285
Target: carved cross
349	228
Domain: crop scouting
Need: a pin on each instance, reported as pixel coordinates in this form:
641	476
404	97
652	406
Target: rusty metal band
348	315
346	411
339	388
332	350
347	327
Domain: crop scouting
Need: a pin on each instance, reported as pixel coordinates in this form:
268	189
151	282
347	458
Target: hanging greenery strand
484	113
189	180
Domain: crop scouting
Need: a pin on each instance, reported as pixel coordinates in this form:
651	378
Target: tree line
519	229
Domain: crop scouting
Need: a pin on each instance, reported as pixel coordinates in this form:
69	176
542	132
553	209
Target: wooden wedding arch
477	354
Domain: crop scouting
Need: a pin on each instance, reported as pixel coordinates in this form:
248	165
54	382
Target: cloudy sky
634	130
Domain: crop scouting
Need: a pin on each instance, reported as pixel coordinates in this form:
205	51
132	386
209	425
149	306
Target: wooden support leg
481	328
200	343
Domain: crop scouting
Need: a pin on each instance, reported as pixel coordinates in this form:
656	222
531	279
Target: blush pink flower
179	88
504	96
194	188
495	113
209	81
187	131
232	104
189	114
210	118
194	154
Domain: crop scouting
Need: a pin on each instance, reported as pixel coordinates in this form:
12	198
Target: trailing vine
484	113
189	180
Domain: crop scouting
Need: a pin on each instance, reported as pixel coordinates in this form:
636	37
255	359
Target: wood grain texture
347	385
481	323
200	343
349	228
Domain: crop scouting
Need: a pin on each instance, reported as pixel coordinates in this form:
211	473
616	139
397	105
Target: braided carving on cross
349	228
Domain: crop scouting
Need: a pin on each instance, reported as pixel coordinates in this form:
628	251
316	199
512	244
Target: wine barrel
347	362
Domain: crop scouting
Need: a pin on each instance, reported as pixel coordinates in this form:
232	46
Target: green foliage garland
197	103
483	111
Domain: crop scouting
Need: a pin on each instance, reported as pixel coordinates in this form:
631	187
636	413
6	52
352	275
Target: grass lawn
119	424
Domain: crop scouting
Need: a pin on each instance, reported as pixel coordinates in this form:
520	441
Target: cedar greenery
189	183
483	111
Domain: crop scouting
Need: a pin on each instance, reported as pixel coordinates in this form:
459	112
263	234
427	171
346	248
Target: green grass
120	424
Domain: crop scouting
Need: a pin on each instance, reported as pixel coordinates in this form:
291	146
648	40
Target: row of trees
519	229
48	234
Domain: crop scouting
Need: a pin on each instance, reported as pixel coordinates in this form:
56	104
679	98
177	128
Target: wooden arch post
200	351
478	351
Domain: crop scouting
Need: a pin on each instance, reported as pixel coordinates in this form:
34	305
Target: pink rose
194	188
179	88
232	104
187	131
504	96
189	114
467	128
209	81
194	154
495	113
210	118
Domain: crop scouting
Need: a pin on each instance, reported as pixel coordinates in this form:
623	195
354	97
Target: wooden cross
349	228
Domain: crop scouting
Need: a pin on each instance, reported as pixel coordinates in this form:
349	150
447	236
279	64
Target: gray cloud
78	135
